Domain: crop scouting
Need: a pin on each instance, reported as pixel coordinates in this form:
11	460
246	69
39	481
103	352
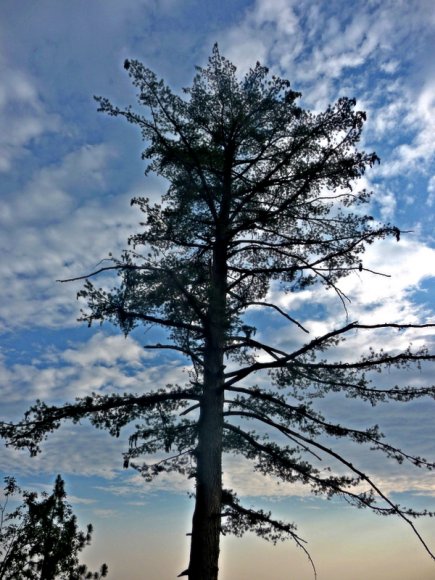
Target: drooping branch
295	469
278	309
180	462
192	300
235	403
111	412
238	342
131	315
374	395
363	476
242	519
104	269
319	342
331	485
287	412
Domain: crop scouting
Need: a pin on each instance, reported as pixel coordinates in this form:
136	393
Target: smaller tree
40	538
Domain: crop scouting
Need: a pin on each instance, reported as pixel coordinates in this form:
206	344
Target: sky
67	174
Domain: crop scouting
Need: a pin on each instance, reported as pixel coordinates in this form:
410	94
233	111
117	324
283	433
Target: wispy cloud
23	117
101	364
58	226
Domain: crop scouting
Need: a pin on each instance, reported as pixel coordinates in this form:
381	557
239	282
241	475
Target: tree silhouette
262	196
40	539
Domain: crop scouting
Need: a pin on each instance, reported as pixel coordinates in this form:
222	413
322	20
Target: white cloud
320	47
423	147
172	482
431	191
22	116
334	36
419	152
389	113
68	451
101	364
106	350
51	194
388	202
269	27
239	476
408	264
59	226
106	513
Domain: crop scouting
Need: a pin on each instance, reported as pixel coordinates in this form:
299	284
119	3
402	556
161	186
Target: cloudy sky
66	177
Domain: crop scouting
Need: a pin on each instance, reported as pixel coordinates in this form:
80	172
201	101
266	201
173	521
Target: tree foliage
262	198
40	538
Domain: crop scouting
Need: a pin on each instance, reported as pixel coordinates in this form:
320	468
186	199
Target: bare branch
187	351
278	309
105	269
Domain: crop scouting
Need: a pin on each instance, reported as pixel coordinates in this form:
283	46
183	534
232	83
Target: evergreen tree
262	194
40	539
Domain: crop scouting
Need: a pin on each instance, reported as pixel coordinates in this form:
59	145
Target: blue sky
66	177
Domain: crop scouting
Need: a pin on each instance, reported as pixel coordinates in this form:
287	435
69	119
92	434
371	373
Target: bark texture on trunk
206	523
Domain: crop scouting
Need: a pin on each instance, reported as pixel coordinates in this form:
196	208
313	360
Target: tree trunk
206	523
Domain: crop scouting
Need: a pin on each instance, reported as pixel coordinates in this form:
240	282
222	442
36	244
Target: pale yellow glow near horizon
352	546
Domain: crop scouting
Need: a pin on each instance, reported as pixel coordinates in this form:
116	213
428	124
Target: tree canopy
263	196
40	539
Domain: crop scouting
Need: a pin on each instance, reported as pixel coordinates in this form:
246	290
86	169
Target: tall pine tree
262	194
